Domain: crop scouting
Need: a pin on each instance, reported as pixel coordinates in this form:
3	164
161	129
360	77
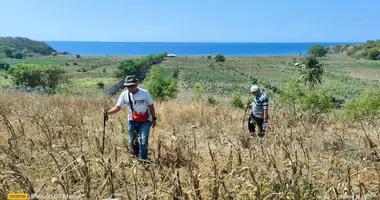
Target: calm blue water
180	49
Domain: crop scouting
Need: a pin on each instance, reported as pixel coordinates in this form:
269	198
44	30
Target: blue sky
192	20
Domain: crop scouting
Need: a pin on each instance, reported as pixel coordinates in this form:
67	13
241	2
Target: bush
18	55
32	75
78	56
211	100
236	100
4	65
313	102
159	86
374	54
317	50
101	85
220	58
135	66
197	92
366	106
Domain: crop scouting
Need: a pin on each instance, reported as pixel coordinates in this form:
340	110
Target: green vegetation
197	92
160	86
236	100
30	75
365	107
369	50
317	50
4	65
311	71
19	47
219	58
137	66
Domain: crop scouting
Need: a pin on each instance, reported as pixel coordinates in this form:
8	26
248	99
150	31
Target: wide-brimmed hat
131	80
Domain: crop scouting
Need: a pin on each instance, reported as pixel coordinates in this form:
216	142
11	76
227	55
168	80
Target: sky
192	20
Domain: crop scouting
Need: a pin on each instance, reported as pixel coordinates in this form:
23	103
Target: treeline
37	76
369	50
19	47
137	66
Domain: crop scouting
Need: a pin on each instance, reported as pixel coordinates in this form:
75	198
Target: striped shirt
259	104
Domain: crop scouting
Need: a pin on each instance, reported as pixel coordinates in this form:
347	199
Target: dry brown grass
51	145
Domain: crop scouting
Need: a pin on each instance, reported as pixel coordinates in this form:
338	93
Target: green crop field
236	73
345	77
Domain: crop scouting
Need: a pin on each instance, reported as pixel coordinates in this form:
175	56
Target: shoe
261	134
252	134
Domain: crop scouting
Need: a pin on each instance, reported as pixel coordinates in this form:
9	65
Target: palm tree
311	71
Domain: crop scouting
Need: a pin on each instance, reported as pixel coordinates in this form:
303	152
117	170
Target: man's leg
133	138
144	130
251	125
259	123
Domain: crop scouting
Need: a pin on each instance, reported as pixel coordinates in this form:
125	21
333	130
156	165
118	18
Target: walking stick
104	131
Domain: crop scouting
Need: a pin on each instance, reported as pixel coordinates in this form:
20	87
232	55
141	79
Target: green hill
369	50
18	47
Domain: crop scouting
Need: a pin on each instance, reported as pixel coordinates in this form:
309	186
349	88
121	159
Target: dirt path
184	94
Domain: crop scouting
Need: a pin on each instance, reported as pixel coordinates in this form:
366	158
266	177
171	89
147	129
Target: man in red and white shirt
141	115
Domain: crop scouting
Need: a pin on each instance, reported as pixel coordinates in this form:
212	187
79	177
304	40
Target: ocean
184	49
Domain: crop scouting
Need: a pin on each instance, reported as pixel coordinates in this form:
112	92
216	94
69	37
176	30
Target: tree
160	86
4	65
374	54
317	50
311	71
18	55
32	75
127	67
78	56
220	58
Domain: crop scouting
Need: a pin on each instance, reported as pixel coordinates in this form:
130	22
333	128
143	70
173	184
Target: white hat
254	88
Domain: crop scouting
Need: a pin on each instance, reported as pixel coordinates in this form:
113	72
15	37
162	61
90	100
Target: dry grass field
51	145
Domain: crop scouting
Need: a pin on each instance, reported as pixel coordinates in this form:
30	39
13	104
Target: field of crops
237	73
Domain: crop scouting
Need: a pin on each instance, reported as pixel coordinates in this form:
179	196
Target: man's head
131	82
255	90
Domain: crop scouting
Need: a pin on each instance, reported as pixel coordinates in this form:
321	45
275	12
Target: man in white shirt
141	116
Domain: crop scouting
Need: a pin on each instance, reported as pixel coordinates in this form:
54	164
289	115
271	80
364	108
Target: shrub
317	50
159	86
4	65
78	56
220	58
18	55
100	85
366	106
197	92
211	100
236	100
374	54
31	75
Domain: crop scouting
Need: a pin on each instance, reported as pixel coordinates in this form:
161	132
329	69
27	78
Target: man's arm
113	110
152	111
265	115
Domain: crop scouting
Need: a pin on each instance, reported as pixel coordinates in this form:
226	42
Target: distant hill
369	50
14	46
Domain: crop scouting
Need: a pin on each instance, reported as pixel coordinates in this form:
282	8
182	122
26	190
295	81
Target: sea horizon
113	48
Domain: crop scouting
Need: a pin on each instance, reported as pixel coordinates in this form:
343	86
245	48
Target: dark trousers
253	122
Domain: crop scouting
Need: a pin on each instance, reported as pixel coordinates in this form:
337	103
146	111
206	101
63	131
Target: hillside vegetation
369	50
18	47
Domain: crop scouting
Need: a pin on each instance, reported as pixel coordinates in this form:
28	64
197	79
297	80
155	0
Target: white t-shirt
140	102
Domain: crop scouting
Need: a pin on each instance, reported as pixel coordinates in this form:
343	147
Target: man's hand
153	123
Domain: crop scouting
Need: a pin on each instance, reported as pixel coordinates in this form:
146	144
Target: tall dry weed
51	145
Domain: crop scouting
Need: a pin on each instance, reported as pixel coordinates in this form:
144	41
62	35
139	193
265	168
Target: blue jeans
141	129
